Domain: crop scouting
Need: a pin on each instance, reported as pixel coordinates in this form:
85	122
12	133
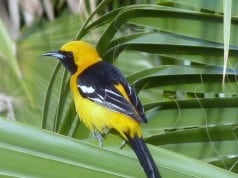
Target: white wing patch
86	89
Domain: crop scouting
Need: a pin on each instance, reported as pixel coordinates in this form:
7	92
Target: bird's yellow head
76	55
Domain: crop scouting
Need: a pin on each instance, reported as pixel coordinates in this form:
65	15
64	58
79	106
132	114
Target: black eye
70	54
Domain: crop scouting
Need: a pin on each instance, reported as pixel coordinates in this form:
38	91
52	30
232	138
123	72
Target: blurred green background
171	51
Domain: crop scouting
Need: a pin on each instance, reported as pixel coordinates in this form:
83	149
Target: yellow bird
104	99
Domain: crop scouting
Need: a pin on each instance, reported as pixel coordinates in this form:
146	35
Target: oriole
104	99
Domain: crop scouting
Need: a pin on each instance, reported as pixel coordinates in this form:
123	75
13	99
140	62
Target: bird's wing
104	84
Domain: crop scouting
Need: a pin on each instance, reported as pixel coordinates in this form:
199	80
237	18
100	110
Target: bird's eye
70	54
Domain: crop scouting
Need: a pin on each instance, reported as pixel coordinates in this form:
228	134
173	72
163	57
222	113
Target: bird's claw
123	144
99	137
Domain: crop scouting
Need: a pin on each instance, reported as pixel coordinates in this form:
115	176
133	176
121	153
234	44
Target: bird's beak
56	54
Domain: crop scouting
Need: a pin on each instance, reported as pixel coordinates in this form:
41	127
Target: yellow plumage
85	55
95	116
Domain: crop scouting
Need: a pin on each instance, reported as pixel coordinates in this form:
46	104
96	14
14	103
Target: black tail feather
144	156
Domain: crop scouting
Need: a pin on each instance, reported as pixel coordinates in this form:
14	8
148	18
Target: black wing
98	82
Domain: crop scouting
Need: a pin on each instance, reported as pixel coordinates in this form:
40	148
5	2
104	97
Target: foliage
172	53
46	154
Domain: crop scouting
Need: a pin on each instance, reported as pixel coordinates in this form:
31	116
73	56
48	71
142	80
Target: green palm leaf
46	154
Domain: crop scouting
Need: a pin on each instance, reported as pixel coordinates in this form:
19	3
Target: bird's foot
99	137
123	144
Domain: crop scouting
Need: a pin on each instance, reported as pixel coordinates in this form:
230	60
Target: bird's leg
99	137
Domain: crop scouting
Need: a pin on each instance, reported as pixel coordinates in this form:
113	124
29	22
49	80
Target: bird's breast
98	117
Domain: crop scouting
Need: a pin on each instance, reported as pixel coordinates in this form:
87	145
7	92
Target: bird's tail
144	156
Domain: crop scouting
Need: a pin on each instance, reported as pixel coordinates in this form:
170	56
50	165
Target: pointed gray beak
56	54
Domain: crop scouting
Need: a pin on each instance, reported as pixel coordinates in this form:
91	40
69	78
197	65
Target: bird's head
76	55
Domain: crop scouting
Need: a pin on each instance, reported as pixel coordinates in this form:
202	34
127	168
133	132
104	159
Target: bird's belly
98	117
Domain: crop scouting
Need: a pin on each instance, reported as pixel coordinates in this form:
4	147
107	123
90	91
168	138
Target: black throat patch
68	61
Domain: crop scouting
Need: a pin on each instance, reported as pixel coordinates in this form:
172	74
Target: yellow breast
98	117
